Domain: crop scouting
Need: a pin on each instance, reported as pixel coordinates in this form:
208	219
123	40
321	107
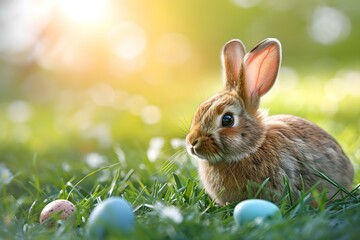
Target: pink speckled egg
61	208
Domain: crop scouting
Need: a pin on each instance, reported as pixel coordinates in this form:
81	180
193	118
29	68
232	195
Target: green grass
201	218
54	162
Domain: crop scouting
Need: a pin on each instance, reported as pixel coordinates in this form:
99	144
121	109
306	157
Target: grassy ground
87	153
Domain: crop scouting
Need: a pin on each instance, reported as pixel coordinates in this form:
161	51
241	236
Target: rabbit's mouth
194	151
202	154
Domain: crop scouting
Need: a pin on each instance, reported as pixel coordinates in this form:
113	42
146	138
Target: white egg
61	208
257	210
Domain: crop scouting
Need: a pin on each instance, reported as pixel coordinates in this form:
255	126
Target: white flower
95	160
155	147
5	175
169	212
177	143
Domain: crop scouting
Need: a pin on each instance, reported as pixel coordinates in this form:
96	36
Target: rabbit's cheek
230	133
231	137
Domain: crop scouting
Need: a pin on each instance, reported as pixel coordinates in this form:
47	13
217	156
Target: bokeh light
329	25
247	3
21	23
19	111
151	114
84	11
127	40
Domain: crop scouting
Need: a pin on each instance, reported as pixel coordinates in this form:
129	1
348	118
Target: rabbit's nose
194	142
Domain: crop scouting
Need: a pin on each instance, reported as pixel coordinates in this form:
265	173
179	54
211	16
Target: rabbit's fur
236	143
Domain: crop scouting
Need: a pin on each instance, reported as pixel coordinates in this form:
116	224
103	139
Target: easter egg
257	210
112	217
60	208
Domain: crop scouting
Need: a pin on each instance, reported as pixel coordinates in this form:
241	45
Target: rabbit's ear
232	57
260	68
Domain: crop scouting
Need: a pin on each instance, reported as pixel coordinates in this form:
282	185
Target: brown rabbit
237	143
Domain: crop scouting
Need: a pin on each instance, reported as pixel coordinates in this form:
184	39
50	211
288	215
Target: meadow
84	123
86	157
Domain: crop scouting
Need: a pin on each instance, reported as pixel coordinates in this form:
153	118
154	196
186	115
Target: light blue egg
112	217
255	209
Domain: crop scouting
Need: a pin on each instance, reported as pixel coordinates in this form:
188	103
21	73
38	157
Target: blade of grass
89	175
177	181
262	186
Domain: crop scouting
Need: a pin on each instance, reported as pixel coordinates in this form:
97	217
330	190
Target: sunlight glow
128	40
174	49
84	11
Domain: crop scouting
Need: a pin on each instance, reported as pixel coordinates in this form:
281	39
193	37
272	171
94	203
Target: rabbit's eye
227	120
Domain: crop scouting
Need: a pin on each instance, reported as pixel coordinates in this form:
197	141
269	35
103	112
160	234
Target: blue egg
255	210
112	217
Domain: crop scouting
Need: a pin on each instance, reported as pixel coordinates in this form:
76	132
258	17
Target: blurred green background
96	80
